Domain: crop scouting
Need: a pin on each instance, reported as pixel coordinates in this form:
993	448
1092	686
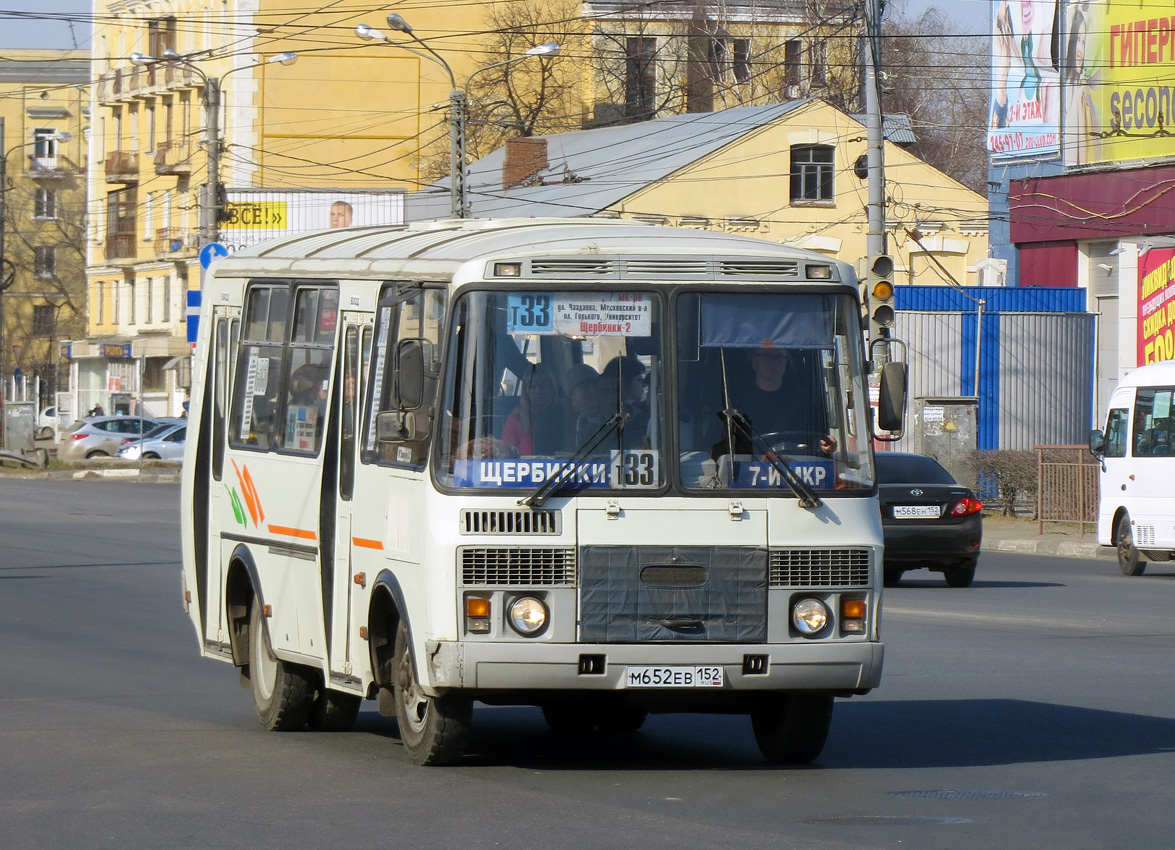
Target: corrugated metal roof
609	163
44	71
1010	299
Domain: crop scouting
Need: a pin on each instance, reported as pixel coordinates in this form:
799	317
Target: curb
1061	548
135	476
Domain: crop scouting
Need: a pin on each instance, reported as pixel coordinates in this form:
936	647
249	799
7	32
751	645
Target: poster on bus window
1156	306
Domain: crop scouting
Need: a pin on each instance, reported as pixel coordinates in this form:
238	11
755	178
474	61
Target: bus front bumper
841	667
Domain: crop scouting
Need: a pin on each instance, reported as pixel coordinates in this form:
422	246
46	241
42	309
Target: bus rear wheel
1129	561
792	728
282	692
434	730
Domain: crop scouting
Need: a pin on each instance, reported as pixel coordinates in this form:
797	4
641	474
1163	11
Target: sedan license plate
673	677
916	512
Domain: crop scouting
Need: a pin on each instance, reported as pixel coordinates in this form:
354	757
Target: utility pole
875	136
209	217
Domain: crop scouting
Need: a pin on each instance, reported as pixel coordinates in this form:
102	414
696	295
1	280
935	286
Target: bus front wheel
792	728
282	692
1129	561
434	730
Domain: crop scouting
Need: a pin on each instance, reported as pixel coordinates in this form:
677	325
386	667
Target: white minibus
536	463
1136	503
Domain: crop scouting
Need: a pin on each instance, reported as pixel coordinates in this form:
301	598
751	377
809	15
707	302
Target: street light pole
458	102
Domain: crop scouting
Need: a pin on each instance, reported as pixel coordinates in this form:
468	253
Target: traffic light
879	283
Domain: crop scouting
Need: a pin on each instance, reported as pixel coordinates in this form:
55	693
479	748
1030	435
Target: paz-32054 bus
601	468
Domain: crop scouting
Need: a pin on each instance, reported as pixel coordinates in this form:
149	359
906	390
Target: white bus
1136	504
504	462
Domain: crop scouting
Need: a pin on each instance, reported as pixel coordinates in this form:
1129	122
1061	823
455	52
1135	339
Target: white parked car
47	423
167	444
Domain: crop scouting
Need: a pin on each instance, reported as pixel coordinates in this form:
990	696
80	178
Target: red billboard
1156	306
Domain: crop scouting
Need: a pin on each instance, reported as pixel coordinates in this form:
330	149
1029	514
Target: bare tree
939	77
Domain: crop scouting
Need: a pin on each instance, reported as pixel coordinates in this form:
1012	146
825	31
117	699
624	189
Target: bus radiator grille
516	566
511	522
819	568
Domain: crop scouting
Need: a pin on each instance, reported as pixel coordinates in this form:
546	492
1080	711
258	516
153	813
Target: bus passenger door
350	392
225	330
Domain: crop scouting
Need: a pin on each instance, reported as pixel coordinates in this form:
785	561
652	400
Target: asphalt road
1034	709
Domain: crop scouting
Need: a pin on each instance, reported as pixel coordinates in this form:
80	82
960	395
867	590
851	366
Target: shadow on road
865	735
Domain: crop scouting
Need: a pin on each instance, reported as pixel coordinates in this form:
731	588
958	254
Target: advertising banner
1119	82
1156	306
1025	109
255	215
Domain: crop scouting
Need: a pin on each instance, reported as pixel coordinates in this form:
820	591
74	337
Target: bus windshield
538	377
765	380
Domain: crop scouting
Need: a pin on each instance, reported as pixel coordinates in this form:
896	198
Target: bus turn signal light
477	614
852	616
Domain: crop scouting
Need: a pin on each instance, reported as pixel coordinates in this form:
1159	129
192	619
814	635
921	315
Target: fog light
477	615
810	617
527	616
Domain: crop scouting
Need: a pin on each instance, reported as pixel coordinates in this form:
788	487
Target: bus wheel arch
241	585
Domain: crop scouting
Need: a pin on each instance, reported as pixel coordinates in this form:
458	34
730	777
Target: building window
792	50
742	60
818	63
121	215
160	36
45	203
44	142
43	319
640	78
45	261
716	56
811	173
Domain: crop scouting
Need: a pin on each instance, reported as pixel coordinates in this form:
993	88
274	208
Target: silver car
165	444
100	436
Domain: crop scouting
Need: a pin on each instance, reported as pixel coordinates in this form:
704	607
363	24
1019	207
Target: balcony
174	242
48	167
120	246
122	167
134	81
173	158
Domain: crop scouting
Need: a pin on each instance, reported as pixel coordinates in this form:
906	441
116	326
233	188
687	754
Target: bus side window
1116	433
255	390
316	316
219	396
349	417
418	318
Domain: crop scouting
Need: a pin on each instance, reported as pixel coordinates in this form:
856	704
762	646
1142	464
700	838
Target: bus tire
334	711
434	730
792	728
282	692
621	719
1129	561
568	718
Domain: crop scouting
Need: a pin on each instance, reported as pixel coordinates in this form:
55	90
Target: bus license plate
916	512
673	677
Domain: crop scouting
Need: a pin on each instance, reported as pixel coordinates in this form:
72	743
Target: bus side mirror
410	364
891	400
1097	443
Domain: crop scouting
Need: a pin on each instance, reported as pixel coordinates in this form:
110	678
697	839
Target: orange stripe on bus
302	533
364	543
249	500
253	490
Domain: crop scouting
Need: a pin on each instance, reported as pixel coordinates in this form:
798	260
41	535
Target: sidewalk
1013	534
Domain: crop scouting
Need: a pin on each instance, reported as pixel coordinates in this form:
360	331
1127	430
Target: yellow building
42	103
786	172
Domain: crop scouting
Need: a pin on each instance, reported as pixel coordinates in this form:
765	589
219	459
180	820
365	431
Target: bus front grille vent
667	268
819	568
760	268
574	267
511	522
516	566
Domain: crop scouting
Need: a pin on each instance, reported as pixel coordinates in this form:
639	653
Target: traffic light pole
875	136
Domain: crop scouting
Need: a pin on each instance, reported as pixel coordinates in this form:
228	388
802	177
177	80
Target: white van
1136	509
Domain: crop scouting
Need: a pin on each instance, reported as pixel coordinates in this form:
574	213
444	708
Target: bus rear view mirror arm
395	426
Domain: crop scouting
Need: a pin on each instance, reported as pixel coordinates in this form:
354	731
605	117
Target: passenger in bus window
623	387
583	391
535	427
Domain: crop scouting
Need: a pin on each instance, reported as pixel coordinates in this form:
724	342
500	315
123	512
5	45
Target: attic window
811	173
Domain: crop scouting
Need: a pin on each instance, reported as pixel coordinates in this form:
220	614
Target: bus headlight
527	615
809	616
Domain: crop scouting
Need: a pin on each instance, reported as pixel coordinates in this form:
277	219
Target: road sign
211	252
193	311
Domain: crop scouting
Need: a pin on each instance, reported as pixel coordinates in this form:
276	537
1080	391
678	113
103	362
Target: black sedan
929	520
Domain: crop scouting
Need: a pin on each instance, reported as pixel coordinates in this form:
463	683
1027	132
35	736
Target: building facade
43	118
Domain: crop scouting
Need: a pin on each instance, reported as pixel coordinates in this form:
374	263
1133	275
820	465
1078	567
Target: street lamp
458	101
209	221
7	267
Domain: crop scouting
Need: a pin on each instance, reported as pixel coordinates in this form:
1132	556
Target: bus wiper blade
808	497
553	483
